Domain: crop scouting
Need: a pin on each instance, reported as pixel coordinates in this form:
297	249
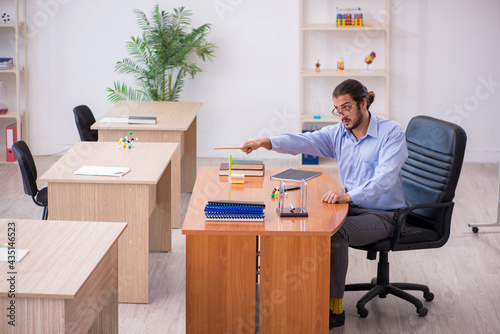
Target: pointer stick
227	148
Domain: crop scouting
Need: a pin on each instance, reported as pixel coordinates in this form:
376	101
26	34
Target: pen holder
292	211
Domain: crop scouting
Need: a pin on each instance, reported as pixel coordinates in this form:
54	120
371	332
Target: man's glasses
343	111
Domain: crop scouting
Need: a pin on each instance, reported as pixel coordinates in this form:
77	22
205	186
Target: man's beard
355	122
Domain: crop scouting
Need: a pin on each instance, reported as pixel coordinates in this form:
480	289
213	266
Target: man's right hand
251	145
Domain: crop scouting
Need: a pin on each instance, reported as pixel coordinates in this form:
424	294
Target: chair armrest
400	222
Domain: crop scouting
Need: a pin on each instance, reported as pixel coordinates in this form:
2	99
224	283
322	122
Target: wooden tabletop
146	160
170	116
324	218
61	257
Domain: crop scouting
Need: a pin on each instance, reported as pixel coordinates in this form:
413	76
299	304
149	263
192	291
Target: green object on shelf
317	116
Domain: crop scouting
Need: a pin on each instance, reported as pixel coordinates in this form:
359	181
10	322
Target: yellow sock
336	305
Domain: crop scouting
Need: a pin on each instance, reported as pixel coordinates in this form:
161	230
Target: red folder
11	134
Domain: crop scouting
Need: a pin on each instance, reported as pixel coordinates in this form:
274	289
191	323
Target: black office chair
84	118
430	176
29	175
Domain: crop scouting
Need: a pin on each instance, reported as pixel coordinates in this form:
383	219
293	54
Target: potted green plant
160	58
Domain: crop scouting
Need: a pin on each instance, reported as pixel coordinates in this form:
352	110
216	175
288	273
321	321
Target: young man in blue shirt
369	152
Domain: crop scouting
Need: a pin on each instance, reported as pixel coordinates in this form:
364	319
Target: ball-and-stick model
127	142
369	59
6	18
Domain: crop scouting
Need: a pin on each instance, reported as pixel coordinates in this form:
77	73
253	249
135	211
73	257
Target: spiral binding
232	216
238	203
234	211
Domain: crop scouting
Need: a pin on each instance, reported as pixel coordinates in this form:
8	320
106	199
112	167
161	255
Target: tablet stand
292	211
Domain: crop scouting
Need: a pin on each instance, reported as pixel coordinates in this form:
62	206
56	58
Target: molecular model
5	18
126	142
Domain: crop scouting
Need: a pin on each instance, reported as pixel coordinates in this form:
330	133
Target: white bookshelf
17	75
318	35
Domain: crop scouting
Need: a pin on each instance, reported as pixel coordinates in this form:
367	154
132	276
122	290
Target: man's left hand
332	197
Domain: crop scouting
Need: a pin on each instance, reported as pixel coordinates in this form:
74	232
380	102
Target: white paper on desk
102	171
20	253
113	120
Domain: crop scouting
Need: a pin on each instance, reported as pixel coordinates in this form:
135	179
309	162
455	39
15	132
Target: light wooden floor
464	275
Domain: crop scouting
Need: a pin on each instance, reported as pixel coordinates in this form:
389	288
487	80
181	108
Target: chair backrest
84	118
27	166
436	151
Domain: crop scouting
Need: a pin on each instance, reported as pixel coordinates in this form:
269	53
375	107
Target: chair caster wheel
475	229
382	295
363	312
374	280
429	296
422	311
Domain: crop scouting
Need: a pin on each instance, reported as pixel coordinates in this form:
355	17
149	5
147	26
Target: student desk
176	123
294	259
141	198
68	281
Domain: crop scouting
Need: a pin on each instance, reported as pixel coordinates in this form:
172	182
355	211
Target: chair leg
412	286
360	287
428	295
45	213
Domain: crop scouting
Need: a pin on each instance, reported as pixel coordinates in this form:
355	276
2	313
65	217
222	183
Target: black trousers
361	227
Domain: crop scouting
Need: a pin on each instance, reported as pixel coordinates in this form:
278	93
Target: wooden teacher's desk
67	283
176	123
141	198
294	259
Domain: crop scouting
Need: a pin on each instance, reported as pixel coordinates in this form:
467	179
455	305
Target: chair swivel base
396	289
381	286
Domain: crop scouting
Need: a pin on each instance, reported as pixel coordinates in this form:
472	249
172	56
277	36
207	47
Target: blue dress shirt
370	169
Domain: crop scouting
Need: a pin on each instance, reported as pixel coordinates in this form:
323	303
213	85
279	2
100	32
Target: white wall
443	54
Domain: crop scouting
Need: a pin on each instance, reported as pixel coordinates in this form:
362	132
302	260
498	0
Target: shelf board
3	159
310	118
333	27
347	73
12	114
383	115
13	69
11	24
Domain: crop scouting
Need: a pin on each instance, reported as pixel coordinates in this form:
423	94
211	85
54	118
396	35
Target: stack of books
227	210
6	63
246	167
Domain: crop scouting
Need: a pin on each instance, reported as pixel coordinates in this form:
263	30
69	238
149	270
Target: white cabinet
321	39
14	80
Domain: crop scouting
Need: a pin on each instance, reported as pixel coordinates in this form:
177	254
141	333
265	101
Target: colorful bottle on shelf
316	109
340	66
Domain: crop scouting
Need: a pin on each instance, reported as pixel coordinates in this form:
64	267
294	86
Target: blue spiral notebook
235	211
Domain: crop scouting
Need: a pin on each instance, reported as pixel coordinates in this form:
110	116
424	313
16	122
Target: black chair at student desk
430	175
84	118
29	175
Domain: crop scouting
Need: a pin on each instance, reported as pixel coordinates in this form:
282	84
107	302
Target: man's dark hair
356	90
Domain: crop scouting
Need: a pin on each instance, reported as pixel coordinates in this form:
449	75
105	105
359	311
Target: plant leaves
159	59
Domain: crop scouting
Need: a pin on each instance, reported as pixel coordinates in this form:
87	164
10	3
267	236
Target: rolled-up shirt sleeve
316	143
